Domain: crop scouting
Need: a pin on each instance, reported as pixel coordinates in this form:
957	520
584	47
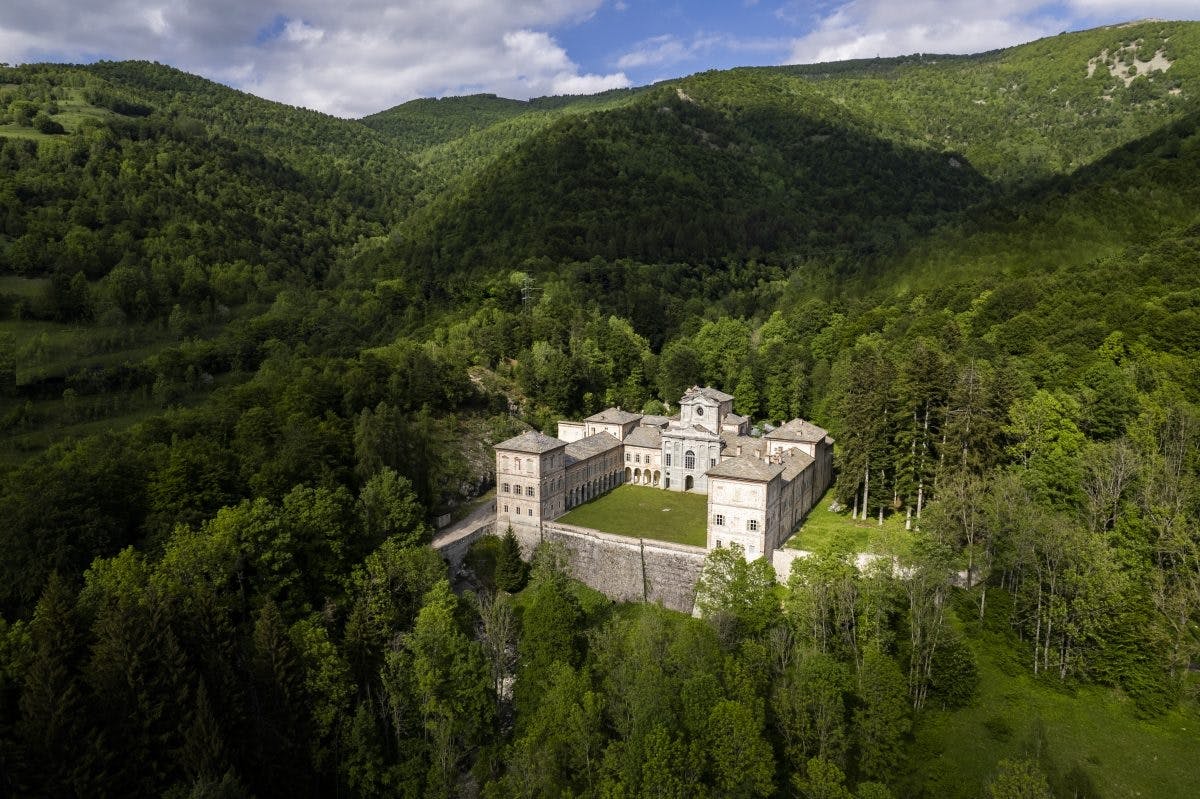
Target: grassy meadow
1088	739
822	527
643	512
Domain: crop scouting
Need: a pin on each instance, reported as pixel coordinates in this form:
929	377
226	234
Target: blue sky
354	57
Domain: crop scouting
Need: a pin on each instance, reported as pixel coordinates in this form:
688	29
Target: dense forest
249	353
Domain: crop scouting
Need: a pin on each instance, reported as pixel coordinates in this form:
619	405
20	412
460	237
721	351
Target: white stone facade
759	489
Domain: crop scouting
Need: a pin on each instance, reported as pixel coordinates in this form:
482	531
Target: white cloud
301	32
867	28
1123	9
671	49
655	50
348	58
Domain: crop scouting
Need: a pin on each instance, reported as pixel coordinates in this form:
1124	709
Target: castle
759	488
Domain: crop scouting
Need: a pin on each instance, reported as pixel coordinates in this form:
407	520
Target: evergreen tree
510	568
883	718
53	711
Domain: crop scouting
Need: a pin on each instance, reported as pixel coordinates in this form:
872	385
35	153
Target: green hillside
798	163
420	124
249	353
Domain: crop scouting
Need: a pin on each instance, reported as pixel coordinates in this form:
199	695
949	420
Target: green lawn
644	512
1091	743
822	526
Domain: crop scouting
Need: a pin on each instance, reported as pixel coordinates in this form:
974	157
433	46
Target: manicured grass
1088	737
822	527
644	512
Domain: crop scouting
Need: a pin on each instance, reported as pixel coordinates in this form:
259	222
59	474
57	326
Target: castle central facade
758	488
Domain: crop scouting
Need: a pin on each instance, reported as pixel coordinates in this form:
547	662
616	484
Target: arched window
689	460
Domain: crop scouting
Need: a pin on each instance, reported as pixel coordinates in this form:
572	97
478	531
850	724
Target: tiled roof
614	416
794	463
533	441
797	430
650	419
707	391
745	468
748	444
690	431
645	437
733	418
589	447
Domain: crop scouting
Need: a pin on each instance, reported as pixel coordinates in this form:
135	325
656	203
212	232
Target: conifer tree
883	719
510	569
53	715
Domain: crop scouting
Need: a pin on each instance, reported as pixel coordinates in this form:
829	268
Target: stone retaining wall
627	569
453	547
783	558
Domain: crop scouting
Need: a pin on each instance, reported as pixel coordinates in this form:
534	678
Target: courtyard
643	512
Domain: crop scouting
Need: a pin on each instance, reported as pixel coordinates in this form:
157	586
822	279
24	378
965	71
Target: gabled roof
748	444
705	391
689	431
733	418
798	430
644	436
589	447
746	469
533	441
795	462
652	420
614	416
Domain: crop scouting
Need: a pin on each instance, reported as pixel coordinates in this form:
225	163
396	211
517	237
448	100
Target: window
506	488
689	460
517	508
712	463
719	521
637	458
627	457
752	525
529	491
517	464
668	462
531	511
506	509
720	543
699	411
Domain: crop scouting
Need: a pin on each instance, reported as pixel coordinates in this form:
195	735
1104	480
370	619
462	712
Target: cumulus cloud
867	28
1123	9
348	58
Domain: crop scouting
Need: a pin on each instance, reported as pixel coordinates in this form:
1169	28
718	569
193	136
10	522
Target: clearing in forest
823	526
643	512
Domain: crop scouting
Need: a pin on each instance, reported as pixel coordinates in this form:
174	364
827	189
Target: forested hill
164	190
782	163
248	354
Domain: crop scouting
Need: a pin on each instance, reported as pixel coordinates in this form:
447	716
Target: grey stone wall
624	569
671	573
453	548
630	569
